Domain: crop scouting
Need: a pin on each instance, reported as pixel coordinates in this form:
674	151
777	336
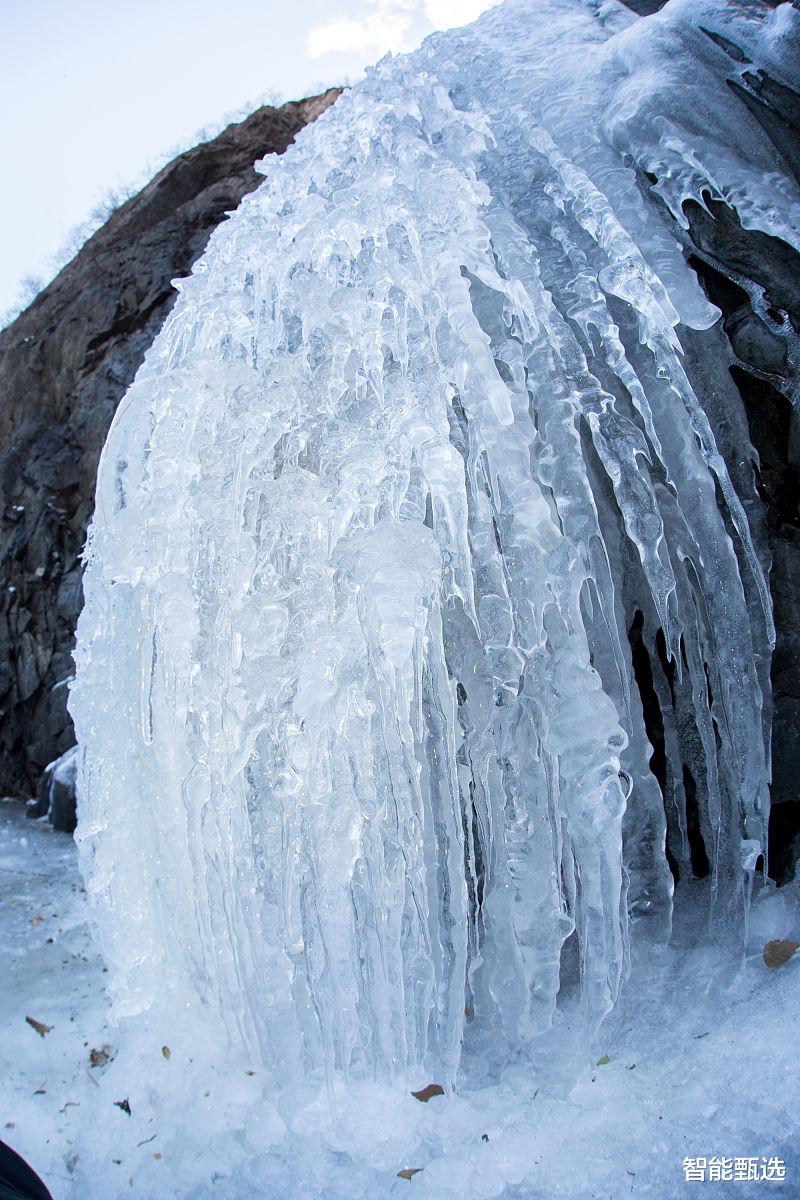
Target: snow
53	973
365	796
701	1061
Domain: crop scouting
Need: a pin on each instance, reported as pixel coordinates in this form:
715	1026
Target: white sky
93	93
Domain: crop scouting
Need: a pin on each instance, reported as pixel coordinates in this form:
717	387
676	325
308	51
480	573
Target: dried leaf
427	1093
99	1058
124	1105
602	1062
157	1154
40	1028
165	1050
37	920
779	951
408	1172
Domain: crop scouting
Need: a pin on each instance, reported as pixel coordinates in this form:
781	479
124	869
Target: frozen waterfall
365	778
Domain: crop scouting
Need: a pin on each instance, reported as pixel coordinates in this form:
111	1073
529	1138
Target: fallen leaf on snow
99	1058
165	1050
602	1062
40	1028
37	921
427	1093
124	1105
408	1172
779	951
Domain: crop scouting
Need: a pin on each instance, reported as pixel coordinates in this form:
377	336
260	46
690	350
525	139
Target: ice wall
364	767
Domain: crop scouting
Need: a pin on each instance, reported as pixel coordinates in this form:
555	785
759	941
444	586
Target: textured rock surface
64	365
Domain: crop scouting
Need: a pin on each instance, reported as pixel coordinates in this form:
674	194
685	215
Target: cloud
385	25
445	14
378	26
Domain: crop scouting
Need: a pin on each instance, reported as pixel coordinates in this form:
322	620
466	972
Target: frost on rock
364	776
55	792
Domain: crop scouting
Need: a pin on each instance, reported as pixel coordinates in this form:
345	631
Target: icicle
364	747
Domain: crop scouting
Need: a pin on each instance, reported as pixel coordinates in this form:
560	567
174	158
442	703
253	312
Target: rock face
755	281
64	365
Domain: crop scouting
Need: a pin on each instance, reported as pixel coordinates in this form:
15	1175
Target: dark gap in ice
700	864
651	711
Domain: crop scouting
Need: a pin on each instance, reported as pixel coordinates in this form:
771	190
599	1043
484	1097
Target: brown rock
779	951
64	365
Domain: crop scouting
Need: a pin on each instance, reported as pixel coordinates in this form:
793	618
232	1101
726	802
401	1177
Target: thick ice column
362	743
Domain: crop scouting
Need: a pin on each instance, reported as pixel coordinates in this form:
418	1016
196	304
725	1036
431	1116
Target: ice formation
364	774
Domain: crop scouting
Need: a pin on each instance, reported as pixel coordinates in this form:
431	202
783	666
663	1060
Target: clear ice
364	774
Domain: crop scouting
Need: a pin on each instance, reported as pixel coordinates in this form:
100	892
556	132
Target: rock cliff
64	365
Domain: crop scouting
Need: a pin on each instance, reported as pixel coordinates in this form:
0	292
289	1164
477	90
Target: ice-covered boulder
56	795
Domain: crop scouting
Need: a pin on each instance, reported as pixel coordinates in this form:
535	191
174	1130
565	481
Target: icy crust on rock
671	111
364	775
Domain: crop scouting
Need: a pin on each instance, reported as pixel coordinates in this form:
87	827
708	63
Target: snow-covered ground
702	1061
52	973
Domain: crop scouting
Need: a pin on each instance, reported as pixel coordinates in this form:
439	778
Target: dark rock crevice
754	279
765	377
